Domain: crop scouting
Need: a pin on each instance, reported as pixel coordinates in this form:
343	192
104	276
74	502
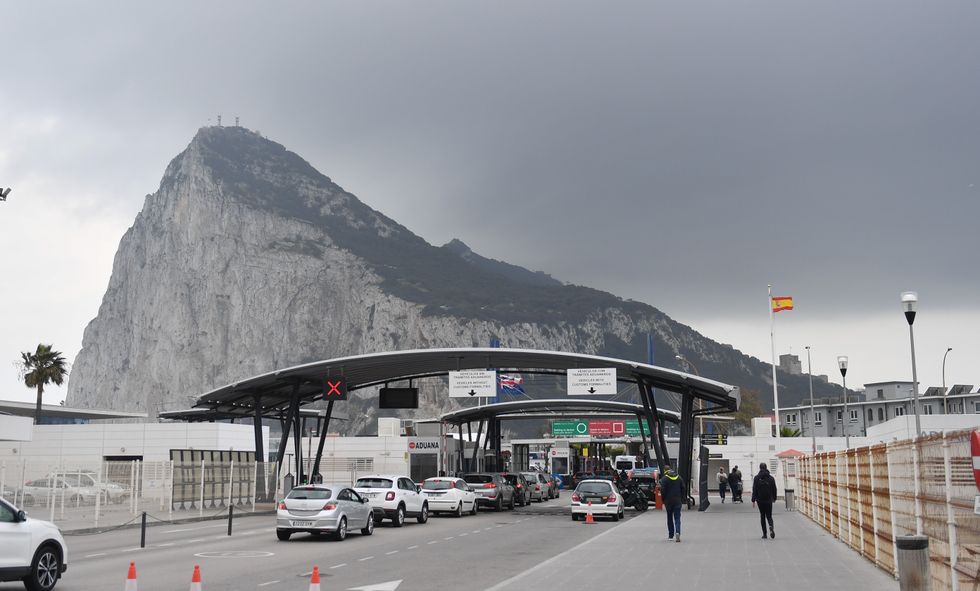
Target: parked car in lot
538	492
393	497
112	492
31	550
321	509
604	497
492	489
449	495
41	491
522	488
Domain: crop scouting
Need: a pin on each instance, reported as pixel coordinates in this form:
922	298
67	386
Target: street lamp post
813	425
845	419
909	301
687	362
945	405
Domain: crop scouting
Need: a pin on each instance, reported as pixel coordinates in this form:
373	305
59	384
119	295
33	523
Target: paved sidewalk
721	548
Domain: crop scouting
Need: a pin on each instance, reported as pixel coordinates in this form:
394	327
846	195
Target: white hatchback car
449	495
393	497
31	550
601	497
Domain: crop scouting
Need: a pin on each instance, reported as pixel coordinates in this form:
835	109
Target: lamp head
910	301
842	364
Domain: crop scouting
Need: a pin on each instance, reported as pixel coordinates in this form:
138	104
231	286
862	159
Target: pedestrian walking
735	484
764	494
722	483
674	492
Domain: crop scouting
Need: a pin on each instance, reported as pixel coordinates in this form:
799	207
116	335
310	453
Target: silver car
321	509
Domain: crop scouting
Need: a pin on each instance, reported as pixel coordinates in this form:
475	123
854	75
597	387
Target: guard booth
790	460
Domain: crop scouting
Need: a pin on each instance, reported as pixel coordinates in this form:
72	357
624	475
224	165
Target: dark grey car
492	489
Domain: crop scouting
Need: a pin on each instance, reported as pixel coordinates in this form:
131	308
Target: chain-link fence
868	496
104	495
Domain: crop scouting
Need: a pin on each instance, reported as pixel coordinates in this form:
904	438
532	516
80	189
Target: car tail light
492	485
519	486
576	498
612	497
330	506
282	506
390	496
537	487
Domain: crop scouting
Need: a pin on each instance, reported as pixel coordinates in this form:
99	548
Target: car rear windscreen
437	485
478	478
594	488
373	483
624	465
317	494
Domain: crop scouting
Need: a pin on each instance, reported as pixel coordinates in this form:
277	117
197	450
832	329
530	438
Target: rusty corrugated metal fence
867	496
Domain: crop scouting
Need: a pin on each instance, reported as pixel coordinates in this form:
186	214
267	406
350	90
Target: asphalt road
472	552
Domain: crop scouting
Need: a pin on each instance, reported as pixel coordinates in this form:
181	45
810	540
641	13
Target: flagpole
772	344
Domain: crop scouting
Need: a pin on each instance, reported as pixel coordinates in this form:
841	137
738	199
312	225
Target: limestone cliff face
247	259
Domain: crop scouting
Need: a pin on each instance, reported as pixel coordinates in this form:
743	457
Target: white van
627	463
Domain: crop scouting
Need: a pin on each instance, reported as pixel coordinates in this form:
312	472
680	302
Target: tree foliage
43	366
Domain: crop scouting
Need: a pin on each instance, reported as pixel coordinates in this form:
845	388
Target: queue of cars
336	509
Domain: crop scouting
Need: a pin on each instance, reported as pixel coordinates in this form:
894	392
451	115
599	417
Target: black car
522	491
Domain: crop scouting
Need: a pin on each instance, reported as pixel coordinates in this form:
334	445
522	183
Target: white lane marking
267	583
412	547
341	565
392	552
174	531
487	528
463	534
97	554
195	540
365	558
540	565
166	545
131	550
475	531
449	538
433	542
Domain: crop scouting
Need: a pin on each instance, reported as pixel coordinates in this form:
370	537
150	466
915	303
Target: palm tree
41	367
789	432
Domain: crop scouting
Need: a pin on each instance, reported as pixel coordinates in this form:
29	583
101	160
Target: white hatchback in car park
31	550
393	497
449	495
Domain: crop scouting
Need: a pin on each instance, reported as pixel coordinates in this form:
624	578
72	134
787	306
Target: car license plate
302	524
598	499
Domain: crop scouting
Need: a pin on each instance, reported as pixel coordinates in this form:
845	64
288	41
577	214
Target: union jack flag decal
511	384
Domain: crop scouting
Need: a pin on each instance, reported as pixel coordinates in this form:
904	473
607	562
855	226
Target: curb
136	524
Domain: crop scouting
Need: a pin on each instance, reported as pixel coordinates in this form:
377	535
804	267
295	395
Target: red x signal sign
335	389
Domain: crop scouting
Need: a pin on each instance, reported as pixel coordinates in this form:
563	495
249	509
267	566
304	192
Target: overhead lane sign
596	381
472	383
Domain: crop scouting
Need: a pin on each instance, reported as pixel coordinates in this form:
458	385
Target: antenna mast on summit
219	120
236	121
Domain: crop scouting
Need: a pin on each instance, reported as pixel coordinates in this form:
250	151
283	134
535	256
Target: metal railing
867	496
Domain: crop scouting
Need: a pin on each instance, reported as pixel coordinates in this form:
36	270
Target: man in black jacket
764	493
674	493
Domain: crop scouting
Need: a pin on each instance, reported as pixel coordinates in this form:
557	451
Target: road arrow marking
389	586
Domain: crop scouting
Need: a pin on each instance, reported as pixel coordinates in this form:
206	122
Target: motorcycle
634	497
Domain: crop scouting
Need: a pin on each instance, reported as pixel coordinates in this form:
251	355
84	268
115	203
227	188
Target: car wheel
511	507
45	569
622	514
369	528
423	514
473	509
459	510
283	534
399	519
500	504
574	516
341	532
615	516
378	520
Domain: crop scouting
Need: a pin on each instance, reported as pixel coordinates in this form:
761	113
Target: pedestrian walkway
721	548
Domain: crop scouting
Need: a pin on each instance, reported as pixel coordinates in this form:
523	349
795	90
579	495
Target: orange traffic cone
196	579
131	578
315	579
588	515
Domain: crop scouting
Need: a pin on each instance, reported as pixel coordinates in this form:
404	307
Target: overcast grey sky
684	154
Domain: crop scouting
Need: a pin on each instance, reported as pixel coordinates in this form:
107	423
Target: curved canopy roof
555	407
274	391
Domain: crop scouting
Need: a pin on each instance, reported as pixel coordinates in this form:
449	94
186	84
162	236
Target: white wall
79	446
904	427
14	428
388	454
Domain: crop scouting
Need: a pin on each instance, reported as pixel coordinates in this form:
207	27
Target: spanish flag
781	303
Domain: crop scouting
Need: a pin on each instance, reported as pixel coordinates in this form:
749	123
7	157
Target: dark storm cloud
668	152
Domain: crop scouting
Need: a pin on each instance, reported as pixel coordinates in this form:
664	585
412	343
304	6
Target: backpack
763	488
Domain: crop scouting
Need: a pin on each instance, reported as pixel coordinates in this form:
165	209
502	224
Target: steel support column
323	439
686	451
476	448
259	447
297	433
650	407
643	436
